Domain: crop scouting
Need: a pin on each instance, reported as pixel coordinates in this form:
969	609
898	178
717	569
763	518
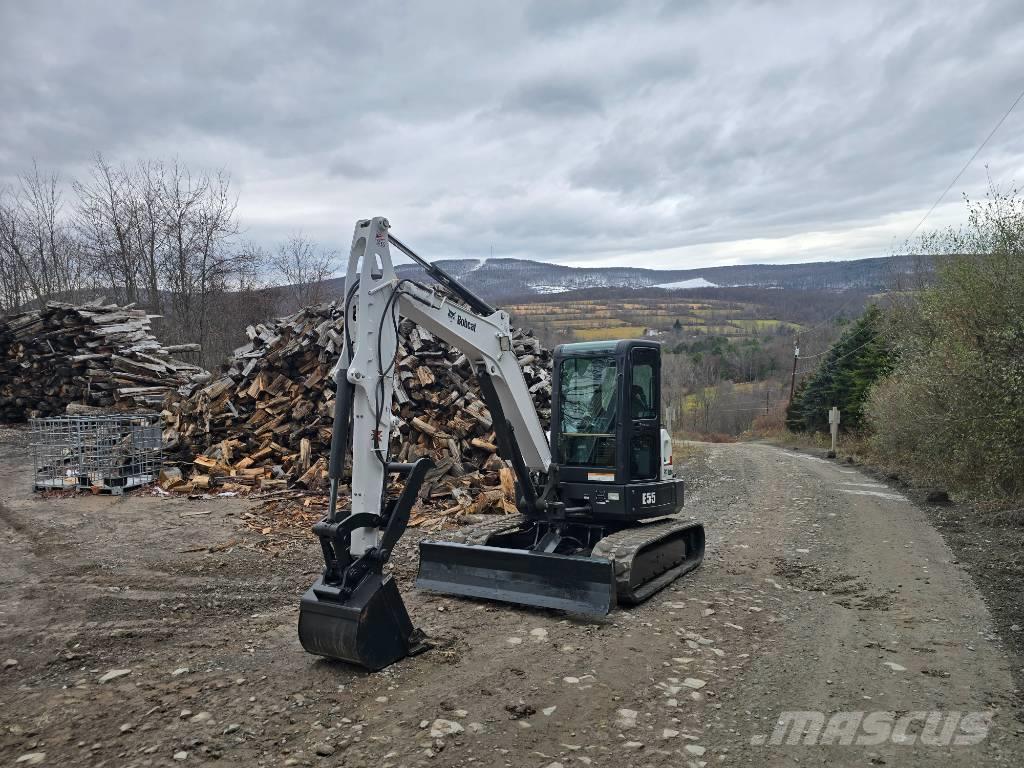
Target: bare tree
39	255
678	379
106	220
14	277
148	236
198	264
707	394
156	234
249	299
303	267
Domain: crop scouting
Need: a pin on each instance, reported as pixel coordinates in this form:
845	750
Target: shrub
952	411
769	424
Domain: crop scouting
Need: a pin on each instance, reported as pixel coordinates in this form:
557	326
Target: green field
597	319
609	332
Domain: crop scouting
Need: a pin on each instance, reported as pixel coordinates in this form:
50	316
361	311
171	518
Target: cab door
643	404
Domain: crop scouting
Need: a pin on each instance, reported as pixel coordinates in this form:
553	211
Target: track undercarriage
582	567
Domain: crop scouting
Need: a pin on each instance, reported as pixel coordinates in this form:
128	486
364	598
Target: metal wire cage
106	453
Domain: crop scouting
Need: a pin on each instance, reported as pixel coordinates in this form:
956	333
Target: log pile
266	422
86	356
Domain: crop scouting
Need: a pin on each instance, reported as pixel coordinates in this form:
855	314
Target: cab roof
588	347
609	347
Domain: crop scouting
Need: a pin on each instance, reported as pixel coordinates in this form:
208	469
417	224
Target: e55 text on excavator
596	523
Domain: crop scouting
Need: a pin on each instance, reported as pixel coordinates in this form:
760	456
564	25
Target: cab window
588	402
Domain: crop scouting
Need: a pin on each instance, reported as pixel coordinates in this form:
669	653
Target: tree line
156	234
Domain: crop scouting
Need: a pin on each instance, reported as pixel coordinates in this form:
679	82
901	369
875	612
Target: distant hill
499	278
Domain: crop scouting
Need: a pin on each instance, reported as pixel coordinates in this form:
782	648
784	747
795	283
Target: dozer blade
371	628
567	582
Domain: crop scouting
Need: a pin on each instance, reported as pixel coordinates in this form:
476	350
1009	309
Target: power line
820	354
967	164
837	313
829	363
934	205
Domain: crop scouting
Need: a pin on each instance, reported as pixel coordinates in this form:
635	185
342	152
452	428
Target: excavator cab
606	436
605	415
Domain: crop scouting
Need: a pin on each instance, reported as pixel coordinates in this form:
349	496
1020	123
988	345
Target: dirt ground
140	632
989	543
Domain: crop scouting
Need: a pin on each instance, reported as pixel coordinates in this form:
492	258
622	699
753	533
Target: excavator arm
376	299
336	614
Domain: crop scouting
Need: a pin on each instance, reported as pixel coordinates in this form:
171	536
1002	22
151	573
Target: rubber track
622	547
478	534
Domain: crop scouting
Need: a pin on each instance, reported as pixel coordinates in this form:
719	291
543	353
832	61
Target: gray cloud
544	17
554	98
659	133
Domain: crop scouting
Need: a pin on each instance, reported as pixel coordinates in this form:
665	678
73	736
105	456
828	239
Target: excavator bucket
371	628
354	611
584	585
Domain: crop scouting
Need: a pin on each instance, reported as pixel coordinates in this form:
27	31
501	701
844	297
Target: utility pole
796	356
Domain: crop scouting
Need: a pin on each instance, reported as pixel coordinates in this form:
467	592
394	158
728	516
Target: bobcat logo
460	320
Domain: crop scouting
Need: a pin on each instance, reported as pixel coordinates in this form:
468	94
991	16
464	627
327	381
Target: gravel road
150	631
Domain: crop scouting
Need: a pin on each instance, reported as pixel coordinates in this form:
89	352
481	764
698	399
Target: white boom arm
375	300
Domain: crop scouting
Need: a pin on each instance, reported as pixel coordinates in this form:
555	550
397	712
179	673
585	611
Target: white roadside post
833	425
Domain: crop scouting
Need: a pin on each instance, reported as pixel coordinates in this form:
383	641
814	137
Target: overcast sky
650	133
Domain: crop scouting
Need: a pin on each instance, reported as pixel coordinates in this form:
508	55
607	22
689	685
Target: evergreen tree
843	378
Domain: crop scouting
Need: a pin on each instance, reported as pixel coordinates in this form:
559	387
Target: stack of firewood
266	422
86	356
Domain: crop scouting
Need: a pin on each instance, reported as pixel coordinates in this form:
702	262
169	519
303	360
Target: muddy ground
138	632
